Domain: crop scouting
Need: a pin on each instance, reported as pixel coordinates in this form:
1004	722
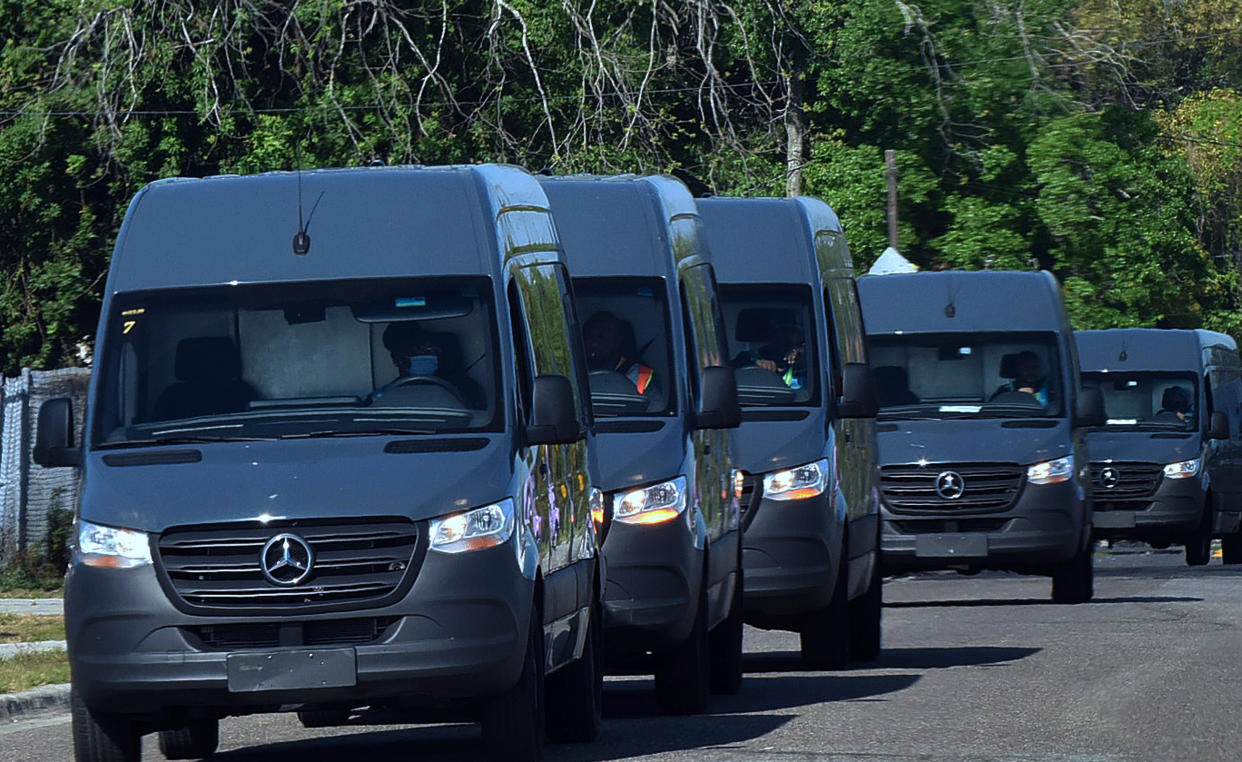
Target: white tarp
891	262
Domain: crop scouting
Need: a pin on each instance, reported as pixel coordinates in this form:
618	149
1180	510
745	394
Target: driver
413	352
782	355
604	342
1026	378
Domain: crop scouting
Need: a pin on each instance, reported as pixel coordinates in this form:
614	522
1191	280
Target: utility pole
890	161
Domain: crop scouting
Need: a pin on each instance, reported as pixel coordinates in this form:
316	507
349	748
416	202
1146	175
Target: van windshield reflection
347	358
1147	401
771	343
944	376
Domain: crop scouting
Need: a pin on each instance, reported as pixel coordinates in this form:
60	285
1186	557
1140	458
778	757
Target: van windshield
998	375
297	360
771	343
1147	400
625	332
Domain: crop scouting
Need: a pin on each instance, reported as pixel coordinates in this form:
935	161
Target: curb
42	700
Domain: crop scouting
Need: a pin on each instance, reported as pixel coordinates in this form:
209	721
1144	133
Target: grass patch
30	670
28	628
56	590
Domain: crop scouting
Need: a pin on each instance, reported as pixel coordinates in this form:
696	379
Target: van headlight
651	505
1051	471
1183	469
110	547
474	529
797	483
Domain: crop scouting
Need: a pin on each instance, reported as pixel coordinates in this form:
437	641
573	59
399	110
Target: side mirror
554	416
718	405
54	435
858	398
1218	425
1090	410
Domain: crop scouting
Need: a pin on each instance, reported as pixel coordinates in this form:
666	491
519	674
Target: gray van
810	505
1166	468
663	398
333	463
981	426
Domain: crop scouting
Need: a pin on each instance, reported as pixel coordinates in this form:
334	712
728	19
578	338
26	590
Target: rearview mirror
554	416
718	405
1218	425
54	435
858	398
1090	409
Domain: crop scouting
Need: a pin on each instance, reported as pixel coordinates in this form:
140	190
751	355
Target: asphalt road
974	668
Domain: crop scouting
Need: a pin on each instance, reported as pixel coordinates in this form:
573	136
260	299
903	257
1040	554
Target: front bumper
791	553
1170	515
459	634
1042	528
655	573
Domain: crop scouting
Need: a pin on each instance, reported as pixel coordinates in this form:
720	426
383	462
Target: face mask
424	365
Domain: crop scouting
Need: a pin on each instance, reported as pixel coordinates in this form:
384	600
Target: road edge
42	700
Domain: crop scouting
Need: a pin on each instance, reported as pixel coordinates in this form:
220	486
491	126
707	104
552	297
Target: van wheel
726	646
1074	580
683	673
194	741
1199	543
513	722
323	718
102	737
1231	549
575	694
826	633
866	612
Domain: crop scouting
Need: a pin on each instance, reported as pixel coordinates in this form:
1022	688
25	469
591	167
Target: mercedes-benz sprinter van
810	505
1166	467
664	398
981	425
335	456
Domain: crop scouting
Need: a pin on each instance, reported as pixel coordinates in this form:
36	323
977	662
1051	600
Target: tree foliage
1097	139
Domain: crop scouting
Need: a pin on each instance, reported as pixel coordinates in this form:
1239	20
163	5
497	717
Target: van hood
627	459
1143	446
298	479
972	441
763	446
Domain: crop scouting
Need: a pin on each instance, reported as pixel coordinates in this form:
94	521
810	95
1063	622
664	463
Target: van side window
704	322
546	316
521	354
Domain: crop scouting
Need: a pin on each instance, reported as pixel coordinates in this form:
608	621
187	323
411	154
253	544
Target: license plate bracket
1114	519
292	669
951	546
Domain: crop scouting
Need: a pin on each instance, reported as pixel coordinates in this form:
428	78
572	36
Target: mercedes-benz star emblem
286	559
1109	477
949	485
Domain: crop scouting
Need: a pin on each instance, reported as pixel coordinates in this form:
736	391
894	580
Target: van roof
363	223
624	225
957	301
1148	349
768	240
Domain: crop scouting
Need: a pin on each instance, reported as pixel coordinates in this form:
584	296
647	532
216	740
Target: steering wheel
409	380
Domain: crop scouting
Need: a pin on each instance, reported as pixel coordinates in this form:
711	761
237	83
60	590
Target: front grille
330	632
752	494
358	563
1133	481
986	487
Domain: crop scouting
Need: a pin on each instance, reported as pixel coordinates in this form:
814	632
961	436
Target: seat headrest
761	323
1009	365
892	377
1176	399
207	358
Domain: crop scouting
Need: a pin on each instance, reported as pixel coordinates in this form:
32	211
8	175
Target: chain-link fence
30	493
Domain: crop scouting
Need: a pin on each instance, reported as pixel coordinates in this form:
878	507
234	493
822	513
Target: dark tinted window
1143	400
772	343
300	359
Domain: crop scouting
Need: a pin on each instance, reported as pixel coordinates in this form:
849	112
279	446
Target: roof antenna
302	241
1122	357
950	309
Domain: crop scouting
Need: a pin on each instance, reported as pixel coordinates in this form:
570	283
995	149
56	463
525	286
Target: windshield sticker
130	320
960	408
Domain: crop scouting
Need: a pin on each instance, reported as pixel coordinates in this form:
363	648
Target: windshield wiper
176	441
355	433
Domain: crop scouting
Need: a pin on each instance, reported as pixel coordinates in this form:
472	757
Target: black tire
683	673
866	612
323	718
197	740
725	646
513	721
575	694
1074	580
826	633
102	737
1231	549
1199	543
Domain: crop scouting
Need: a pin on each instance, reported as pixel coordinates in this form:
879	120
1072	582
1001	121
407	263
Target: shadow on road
898	658
974	602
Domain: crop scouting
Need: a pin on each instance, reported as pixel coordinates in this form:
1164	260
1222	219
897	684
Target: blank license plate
1114	519
951	546
295	669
